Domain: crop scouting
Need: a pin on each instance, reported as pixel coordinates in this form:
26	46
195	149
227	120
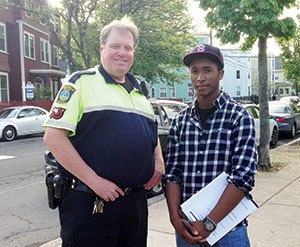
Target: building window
190	90
238	74
163	92
44	46
2	38
153	92
249	76
3	87
28	6
249	90
173	92
55	21
55	56
238	91
287	91
29	45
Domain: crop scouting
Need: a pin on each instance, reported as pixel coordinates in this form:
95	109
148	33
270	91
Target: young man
213	135
102	131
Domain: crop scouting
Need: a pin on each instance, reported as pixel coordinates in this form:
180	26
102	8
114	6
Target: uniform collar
109	79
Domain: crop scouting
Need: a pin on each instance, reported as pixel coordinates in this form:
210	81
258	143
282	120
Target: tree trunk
264	151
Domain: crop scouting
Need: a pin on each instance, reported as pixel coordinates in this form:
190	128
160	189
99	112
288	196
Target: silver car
21	120
287	115
172	107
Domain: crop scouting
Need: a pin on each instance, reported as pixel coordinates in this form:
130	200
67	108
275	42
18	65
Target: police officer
102	132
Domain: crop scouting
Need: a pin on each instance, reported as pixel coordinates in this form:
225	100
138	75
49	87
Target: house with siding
29	54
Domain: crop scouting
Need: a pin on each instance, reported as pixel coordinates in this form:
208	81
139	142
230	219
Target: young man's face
205	78
117	54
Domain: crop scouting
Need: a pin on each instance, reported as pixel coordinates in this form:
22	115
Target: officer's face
117	54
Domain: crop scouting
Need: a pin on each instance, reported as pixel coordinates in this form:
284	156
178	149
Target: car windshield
278	109
173	108
8	113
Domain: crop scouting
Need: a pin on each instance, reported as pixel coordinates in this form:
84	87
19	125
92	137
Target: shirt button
198	171
201	152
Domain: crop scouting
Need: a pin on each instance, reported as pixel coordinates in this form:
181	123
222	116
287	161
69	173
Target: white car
274	130
21	120
172	107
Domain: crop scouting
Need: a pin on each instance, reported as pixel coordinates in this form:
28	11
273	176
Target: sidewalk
276	223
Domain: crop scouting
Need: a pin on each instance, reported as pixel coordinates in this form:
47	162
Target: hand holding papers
203	202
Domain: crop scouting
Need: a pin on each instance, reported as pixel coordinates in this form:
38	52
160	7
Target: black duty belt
76	184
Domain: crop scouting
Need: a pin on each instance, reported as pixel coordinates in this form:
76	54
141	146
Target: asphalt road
25	219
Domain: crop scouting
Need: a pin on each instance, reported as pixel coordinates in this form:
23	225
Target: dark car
287	115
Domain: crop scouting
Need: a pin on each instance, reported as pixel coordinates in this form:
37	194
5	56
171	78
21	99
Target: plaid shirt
197	154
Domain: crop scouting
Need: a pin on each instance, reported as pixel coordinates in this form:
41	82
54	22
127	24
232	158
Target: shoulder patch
76	76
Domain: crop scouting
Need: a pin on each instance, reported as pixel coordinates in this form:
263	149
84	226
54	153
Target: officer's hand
107	190
159	171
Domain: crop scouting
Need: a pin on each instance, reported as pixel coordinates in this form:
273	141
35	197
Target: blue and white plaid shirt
197	154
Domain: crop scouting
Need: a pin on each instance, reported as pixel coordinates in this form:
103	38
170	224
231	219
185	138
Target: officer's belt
76	184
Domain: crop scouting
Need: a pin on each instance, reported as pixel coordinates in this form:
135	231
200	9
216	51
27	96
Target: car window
294	109
39	112
278	109
252	111
174	108
27	113
8	113
165	116
156	114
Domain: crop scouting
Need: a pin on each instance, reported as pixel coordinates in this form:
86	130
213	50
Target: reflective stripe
117	108
58	124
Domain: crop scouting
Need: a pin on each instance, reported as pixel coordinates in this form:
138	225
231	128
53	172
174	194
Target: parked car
291	99
287	115
21	120
172	107
274	129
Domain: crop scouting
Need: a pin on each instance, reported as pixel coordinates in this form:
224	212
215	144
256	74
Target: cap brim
188	58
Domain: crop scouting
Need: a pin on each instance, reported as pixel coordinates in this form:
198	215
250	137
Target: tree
164	33
253	20
290	58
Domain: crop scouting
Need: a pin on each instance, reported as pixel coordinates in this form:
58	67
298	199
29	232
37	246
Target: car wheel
157	190
274	137
9	133
293	131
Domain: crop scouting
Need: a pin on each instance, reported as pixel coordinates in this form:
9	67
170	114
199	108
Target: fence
253	98
45	104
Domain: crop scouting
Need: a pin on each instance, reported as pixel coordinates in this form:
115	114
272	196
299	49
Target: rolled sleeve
173	167
244	159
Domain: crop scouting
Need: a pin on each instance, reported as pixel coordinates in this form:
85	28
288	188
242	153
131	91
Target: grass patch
274	167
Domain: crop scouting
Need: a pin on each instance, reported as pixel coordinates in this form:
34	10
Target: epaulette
78	74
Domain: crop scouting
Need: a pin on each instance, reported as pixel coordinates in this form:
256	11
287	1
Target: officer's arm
159	168
64	152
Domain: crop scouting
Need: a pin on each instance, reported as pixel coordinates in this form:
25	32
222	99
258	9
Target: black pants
123	223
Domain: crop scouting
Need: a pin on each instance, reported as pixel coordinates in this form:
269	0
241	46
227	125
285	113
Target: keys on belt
99	202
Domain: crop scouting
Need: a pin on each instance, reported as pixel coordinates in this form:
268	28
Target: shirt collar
218	102
109	79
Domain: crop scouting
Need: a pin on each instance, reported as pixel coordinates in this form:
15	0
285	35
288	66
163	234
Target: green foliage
164	34
290	57
43	93
248	18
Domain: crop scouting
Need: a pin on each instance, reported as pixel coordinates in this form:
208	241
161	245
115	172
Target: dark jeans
122	223
235	238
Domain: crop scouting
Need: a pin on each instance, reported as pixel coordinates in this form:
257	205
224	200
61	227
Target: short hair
124	24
